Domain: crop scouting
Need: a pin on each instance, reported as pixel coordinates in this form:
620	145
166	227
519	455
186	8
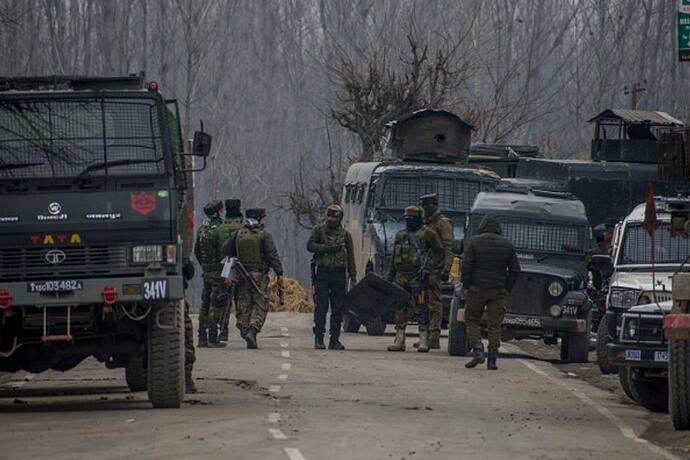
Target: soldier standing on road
205	254
417	251
489	270
255	249
334	260
233	222
444	229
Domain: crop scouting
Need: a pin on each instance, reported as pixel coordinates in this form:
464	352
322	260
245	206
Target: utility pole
632	92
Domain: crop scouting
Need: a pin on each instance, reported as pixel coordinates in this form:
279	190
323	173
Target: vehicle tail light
153	86
170	253
109	295
5	299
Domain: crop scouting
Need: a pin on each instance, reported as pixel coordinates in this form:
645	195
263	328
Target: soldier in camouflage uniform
443	227
189	354
254	248
334	259
233	222
417	251
204	251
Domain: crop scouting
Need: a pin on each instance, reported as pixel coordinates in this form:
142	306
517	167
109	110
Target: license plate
156	289
633	355
55	286
570	310
524	321
661	356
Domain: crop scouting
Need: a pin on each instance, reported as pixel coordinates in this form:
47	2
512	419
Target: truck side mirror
201	145
458	247
601	263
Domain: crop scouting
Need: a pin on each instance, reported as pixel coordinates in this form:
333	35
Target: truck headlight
623	298
171	254
631	329
147	253
644	299
555	289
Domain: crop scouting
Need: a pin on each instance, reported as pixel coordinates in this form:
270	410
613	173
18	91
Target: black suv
551	235
92	221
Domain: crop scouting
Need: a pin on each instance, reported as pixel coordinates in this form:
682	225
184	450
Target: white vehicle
635	280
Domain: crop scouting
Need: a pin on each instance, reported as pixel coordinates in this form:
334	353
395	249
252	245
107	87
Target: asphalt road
288	401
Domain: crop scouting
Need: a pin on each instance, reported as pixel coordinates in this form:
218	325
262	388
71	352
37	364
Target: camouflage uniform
189	352
233	222
207	256
444	229
255	249
417	251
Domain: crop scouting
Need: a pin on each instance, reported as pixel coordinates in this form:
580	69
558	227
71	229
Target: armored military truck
92	183
428	151
551	235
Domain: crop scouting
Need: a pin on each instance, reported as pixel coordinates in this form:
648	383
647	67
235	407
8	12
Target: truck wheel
602	340
624	378
457	332
166	355
678	376
652	394
135	374
376	326
350	324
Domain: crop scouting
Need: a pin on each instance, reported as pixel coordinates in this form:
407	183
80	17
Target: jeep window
454	195
534	236
637	246
65	137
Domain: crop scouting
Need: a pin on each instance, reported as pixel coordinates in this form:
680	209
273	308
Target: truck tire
457	332
602	340
376	327
624	378
678	376
166	355
652	394
135	374
350	324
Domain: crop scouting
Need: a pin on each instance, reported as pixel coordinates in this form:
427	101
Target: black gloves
445	276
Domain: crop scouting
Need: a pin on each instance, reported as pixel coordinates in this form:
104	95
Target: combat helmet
334	210
413	211
212	208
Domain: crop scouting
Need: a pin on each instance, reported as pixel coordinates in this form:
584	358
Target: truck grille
648	328
31	264
527	296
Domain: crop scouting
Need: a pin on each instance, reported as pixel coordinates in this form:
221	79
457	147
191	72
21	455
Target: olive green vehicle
92	188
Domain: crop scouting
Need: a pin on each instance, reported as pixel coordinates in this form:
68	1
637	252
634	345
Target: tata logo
54	208
48	239
55	256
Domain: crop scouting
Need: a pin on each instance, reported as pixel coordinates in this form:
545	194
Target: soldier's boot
213	341
334	343
318	342
491	362
203	339
189	386
423	341
250	338
399	343
477	356
435	340
419	341
223	336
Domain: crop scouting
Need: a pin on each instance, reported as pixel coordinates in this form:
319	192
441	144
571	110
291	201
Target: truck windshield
637	246
542	237
54	138
454	195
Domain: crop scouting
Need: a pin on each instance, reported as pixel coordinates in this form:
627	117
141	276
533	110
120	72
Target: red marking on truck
143	202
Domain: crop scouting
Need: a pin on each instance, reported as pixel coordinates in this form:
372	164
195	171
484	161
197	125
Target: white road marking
274	388
283	329
285	334
625	429
273	417
286	366
285	354
284	344
282	377
276	433
294	454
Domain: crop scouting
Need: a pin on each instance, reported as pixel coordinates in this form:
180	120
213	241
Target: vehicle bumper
129	289
637	355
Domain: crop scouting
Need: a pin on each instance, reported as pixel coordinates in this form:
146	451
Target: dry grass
297	298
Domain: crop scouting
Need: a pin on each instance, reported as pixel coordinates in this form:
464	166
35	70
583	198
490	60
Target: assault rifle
235	271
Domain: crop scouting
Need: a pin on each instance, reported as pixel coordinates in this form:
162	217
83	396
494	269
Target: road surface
289	401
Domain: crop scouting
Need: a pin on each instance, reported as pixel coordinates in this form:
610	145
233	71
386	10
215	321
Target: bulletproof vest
336	237
408	251
210	260
248	248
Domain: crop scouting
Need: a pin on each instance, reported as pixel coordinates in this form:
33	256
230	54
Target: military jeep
92	188
551	235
